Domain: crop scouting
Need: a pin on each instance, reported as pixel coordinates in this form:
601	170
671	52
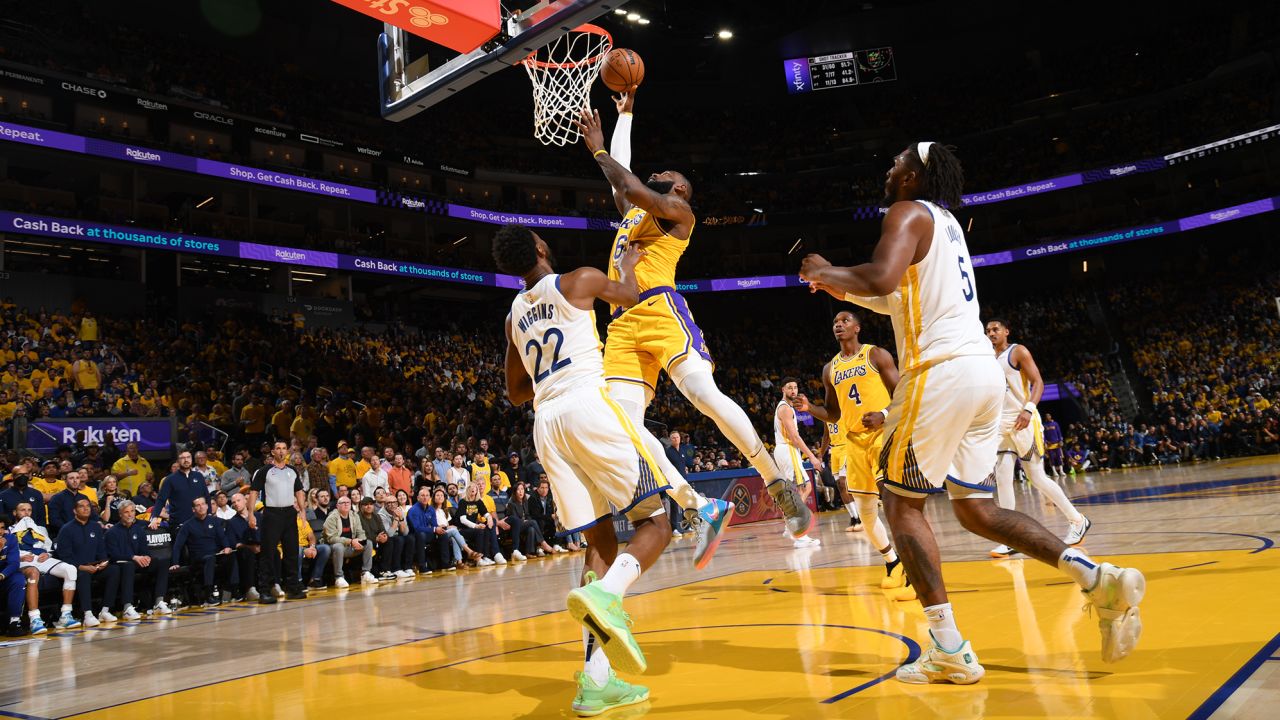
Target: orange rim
587	28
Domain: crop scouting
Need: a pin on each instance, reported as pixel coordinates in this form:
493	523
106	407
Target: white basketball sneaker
1077	531
1116	596
939	666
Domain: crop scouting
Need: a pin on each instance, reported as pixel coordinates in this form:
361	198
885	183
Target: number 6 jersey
558	342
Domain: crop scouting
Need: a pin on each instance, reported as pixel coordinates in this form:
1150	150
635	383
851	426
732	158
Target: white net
562	73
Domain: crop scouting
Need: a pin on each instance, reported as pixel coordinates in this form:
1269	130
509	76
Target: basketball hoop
562	73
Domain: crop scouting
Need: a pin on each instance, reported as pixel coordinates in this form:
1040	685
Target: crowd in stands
411	460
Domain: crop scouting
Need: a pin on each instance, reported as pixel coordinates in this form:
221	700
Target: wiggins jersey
663	251
859	389
557	341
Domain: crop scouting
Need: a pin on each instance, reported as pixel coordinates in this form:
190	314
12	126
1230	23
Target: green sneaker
592	699
600	612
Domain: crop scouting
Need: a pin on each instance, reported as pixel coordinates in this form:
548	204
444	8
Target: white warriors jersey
935	308
1019	390
557	341
779	434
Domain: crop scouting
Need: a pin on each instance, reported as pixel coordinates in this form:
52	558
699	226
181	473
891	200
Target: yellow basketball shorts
651	336
862	461
837	460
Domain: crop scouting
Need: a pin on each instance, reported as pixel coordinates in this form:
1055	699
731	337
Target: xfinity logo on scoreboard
823	72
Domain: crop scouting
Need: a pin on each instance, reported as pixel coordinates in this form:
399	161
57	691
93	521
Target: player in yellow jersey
833	448
859	384
659	332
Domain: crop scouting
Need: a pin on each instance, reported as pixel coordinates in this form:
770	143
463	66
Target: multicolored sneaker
68	622
1116	596
713	518
798	517
940	666
600	612
593	699
37	626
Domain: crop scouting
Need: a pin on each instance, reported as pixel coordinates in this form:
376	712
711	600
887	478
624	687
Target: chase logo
741	498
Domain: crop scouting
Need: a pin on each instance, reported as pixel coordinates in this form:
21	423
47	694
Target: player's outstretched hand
631	257
625	101
873	420
811	266
588	123
815	286
801	403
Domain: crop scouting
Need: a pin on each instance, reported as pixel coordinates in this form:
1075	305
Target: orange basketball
623	70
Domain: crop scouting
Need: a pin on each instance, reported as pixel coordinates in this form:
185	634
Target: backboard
407	86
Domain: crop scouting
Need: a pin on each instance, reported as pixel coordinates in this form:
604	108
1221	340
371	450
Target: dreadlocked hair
943	176
515	252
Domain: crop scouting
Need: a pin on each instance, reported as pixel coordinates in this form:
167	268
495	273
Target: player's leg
634	399
1115	592
1005	494
692	376
792	471
837	463
864	466
1079	524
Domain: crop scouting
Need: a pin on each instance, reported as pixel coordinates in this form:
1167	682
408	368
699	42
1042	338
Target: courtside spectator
83	544
132	469
208	554
127	551
177	491
344	534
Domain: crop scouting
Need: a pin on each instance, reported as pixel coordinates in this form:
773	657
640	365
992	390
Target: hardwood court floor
767	631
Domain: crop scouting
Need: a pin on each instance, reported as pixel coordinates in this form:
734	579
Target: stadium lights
725	34
461	240
759	210
643	21
619	11
633	16
205	201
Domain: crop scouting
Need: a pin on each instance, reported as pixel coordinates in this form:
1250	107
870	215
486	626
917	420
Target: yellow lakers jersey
859	388
658	268
835	435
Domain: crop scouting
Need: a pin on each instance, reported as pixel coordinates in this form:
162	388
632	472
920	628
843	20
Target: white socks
596	663
624	571
699	387
1004	481
66	609
1079	567
942	625
852	507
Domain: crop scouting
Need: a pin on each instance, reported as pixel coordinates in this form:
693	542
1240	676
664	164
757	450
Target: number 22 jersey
558	342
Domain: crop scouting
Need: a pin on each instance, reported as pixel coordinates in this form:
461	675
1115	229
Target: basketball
623	70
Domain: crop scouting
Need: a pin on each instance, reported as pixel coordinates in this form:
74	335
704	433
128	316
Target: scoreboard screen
824	72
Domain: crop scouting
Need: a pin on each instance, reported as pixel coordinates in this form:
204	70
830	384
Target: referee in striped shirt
279	487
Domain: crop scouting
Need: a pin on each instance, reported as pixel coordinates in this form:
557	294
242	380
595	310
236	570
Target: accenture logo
270	131
84	90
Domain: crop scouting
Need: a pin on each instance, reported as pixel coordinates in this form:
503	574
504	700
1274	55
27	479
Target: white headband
922	149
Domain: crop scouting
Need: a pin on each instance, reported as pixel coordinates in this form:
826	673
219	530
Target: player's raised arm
901	243
582	286
1021	356
519	384
620	143
668	206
